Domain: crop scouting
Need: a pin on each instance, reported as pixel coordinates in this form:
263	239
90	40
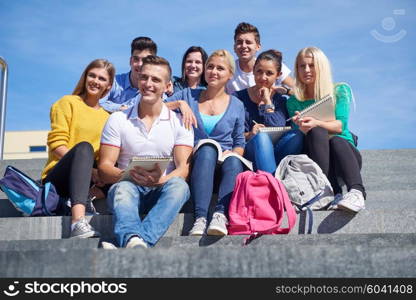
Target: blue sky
371	45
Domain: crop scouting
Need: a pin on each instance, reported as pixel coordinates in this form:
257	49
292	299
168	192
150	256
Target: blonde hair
324	84
97	63
228	58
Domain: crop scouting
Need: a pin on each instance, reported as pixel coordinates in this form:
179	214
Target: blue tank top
210	121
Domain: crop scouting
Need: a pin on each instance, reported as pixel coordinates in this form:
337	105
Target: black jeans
71	176
337	158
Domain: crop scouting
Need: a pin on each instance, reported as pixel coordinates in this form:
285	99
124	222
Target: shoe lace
200	222
83	225
354	195
220	218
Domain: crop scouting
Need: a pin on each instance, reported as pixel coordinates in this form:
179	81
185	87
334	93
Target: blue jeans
204	171
162	204
266	156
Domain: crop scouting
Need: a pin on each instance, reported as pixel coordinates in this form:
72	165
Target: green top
343	97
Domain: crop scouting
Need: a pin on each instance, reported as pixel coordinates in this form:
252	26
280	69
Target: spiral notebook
147	163
323	110
275	133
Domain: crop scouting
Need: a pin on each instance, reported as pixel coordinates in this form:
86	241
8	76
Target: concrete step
367	221
284	260
235	242
387	199
62	244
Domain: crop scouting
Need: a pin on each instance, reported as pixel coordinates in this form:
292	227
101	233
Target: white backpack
306	184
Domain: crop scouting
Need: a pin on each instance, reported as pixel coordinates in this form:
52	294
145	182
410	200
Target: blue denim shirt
121	93
229	130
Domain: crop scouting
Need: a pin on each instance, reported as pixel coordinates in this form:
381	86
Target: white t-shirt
242	80
124	129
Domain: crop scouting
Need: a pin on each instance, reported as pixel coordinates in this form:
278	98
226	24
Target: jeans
204	171
266	156
162	204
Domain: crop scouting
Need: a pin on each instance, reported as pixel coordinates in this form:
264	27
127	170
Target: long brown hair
97	63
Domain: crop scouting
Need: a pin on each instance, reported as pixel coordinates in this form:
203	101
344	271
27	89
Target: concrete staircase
377	242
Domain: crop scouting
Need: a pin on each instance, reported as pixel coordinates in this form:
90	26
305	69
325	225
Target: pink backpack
258	204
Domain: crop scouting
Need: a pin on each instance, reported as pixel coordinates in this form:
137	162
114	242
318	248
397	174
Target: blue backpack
29	197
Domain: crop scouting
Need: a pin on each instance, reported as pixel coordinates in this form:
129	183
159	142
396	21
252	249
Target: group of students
110	118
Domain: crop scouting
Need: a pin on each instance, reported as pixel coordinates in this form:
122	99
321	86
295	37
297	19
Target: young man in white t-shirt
148	128
246	45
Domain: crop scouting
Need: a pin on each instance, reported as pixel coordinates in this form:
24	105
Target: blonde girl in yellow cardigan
77	121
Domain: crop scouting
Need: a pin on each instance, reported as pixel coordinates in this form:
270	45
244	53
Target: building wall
23	144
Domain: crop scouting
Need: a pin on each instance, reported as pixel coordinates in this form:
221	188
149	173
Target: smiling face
97	82
306	70
265	73
136	61
193	65
246	46
153	82
217	72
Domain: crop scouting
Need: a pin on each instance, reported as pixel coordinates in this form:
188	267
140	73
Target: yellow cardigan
72	122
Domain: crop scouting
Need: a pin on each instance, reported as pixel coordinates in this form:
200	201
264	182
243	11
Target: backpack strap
309	212
45	192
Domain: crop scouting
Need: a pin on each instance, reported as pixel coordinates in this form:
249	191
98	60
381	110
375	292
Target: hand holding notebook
147	163
323	110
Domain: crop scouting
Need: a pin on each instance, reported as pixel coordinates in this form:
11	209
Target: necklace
210	103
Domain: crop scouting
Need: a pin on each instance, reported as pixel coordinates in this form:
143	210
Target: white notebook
275	132
323	110
147	163
221	157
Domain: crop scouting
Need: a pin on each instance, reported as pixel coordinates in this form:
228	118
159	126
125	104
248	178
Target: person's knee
317	133
179	184
84	149
179	187
292	139
206	152
297	136
232	163
119	190
262	138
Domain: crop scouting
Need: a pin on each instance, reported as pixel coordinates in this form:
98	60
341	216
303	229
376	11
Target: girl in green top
329	143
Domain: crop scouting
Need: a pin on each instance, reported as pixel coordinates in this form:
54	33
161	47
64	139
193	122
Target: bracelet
287	91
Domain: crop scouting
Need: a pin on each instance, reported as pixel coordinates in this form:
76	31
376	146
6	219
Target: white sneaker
136	242
108	246
352	201
218	225
199	227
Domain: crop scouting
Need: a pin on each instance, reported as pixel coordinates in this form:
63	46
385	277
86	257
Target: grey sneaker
199	227
136	242
352	201
83	229
218	225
